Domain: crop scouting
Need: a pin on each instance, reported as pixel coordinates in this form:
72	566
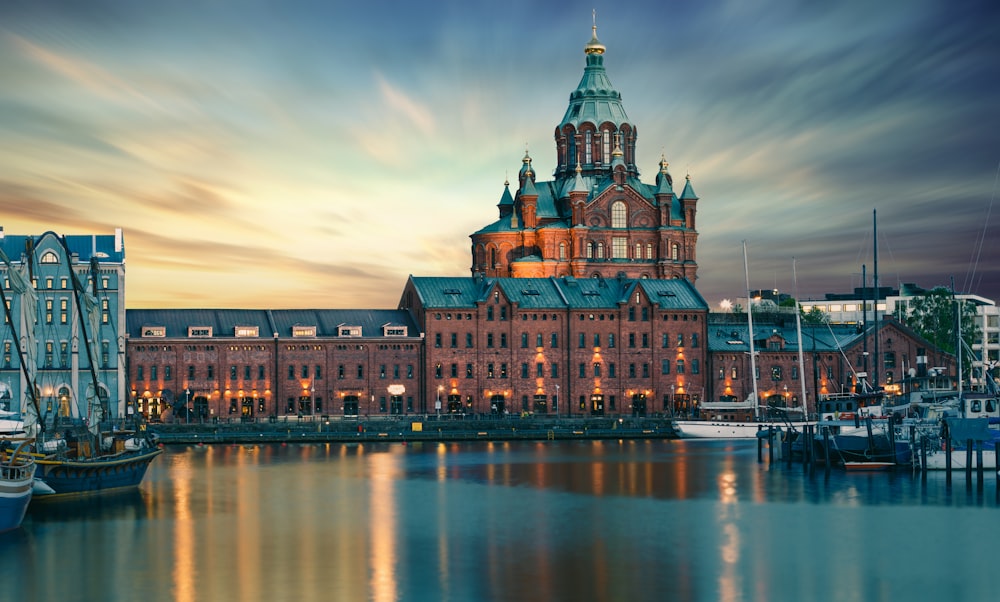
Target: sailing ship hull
938	460
15	493
97	475
720	429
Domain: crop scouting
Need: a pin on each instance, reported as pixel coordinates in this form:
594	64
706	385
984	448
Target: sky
300	154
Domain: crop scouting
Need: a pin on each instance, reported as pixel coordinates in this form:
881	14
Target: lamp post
671	400
437	404
556	402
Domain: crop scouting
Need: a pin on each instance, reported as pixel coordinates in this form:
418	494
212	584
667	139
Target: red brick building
595	217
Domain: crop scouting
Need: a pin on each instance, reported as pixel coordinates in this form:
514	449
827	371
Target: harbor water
520	520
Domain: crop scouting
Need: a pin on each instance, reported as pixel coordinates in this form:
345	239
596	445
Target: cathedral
595	218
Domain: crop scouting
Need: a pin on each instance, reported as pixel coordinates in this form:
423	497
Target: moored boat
17	471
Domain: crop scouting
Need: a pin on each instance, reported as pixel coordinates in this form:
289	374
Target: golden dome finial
594	46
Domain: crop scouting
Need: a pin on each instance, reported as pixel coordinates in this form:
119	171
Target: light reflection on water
606	520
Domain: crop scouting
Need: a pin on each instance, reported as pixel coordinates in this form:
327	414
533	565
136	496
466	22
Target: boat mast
798	334
86	339
753	360
877	359
20	355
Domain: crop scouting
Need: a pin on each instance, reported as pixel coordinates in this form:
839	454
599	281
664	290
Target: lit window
619	215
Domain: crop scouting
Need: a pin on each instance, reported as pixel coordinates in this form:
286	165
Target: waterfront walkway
413	428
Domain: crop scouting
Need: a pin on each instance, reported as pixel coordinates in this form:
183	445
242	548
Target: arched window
493	258
600	250
649	250
590	250
619	215
675	251
588	148
606	144
638	251
562	251
49	257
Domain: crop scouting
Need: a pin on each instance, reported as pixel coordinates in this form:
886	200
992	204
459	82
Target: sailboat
73	455
711	428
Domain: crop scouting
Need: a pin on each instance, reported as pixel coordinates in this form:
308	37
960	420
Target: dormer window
246	331
303	331
49	257
348	331
394	330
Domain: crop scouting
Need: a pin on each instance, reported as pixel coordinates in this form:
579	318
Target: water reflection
503	521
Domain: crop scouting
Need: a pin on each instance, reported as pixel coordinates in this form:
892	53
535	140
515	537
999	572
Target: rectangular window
468	371
583	370
540	370
597	369
152	373
503	340
395	371
619	247
611	370
291	372
680	366
381	371
695	366
645	370
503	370
503	314
454	370
555	341
232	372
524	340
665	367
554	370
611	340
246	372
597	340
437	371
489	370
631	370
645	340
305	372
680	339
694	339
631	340
583	341
454	340
524	370
138	373
167	373
340	372
666	340
211	372
437	339
409	370
317	372
538	340
190	372
361	370
795	372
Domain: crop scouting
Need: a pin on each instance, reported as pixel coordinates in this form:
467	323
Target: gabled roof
677	293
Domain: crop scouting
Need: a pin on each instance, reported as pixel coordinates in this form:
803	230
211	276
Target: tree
815	316
934	316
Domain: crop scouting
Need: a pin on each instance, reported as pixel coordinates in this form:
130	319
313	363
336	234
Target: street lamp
437	404
555	403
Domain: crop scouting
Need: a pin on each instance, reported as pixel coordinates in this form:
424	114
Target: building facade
249	365
64	298
595	217
836	359
560	346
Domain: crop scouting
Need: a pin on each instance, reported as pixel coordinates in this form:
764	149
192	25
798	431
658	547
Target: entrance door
541	405
597	405
639	404
396	404
497	405
454	404
350	405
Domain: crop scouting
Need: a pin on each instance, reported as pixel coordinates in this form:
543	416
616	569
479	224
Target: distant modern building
861	305
50	323
595	217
